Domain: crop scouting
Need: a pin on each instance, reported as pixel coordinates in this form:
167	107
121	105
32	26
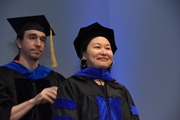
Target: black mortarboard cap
38	22
86	34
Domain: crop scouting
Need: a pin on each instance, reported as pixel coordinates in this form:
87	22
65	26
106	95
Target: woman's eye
96	47
108	48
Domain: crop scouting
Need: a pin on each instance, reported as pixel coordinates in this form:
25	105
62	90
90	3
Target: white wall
147	34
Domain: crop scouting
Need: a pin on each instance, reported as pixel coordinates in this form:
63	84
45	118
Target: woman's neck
99	82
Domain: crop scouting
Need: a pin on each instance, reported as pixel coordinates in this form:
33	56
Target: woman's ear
83	54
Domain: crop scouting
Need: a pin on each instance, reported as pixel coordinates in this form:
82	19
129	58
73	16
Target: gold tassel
53	57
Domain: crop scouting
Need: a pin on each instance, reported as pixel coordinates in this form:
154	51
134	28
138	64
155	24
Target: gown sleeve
6	102
65	104
132	107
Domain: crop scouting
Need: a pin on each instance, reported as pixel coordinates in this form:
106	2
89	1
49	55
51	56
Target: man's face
33	44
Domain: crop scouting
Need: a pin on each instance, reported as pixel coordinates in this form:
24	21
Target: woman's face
99	53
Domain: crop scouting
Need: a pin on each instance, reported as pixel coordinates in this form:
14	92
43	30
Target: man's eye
32	37
43	40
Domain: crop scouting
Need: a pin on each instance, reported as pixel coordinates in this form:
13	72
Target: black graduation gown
80	98
16	88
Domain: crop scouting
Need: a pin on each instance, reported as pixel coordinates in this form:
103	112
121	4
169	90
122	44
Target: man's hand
46	95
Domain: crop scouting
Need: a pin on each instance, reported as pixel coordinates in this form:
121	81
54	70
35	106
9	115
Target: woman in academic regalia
92	93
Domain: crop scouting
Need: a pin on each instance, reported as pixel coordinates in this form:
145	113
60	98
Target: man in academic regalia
28	89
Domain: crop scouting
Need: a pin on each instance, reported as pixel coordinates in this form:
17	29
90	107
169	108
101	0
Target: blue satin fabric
109	109
61	118
65	104
38	73
96	73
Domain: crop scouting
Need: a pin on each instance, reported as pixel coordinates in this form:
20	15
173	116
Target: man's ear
18	42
